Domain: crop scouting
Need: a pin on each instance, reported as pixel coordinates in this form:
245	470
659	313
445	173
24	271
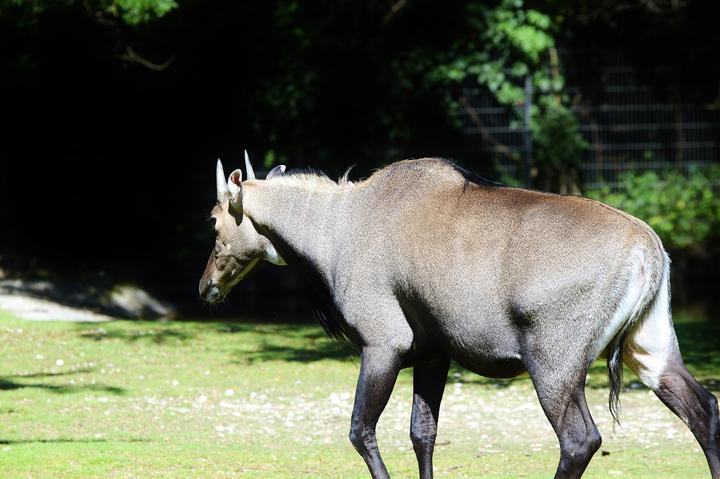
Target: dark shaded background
107	165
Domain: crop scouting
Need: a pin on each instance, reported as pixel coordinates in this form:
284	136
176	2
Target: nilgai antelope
425	262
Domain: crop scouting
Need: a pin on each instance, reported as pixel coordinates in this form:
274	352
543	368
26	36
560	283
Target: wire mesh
629	121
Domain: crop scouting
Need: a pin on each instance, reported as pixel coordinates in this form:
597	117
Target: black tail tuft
615	375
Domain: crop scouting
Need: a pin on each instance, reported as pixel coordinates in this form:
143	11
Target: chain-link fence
629	121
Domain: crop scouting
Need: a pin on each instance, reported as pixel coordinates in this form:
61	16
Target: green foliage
558	149
682	208
508	42
131	12
134	12
557	137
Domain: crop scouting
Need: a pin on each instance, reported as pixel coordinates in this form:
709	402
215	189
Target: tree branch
131	57
484	133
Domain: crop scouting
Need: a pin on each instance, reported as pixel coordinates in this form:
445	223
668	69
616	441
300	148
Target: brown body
423	263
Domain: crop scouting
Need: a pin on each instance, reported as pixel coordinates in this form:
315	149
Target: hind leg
560	387
696	406
428	385
652	353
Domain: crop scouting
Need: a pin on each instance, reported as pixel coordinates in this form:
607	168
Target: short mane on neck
311	180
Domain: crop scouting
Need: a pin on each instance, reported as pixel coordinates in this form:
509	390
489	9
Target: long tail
615	375
641	298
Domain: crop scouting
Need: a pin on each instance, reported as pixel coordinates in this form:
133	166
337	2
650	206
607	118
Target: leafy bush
682	208
558	148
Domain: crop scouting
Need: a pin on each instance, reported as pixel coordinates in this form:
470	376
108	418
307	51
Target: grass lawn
272	400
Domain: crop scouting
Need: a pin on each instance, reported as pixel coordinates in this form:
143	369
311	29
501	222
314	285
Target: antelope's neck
300	221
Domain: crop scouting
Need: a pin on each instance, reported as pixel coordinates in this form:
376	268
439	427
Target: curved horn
222	187
250	172
277	171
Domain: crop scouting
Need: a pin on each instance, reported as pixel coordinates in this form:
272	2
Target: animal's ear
277	171
235	189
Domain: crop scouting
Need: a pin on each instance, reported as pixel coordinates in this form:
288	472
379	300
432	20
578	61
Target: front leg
379	368
428	386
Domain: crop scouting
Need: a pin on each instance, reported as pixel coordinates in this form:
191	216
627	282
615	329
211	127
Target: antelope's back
468	247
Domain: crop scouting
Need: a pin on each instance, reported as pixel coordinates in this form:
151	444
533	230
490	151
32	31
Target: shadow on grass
268	341
7	385
155	335
270	352
13	382
12	442
288	342
700	346
53	374
294	341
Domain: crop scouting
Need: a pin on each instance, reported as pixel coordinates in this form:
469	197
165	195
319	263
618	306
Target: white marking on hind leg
630	299
651	344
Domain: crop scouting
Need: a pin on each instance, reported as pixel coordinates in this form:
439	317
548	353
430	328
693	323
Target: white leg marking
630	300
653	341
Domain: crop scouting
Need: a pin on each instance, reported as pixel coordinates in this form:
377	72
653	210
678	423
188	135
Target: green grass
272	400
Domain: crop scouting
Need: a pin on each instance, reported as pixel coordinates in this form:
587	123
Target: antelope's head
238	246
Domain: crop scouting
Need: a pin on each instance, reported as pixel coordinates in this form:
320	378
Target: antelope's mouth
212	291
215	292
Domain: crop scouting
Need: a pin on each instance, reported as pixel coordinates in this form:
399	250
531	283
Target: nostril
212	293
